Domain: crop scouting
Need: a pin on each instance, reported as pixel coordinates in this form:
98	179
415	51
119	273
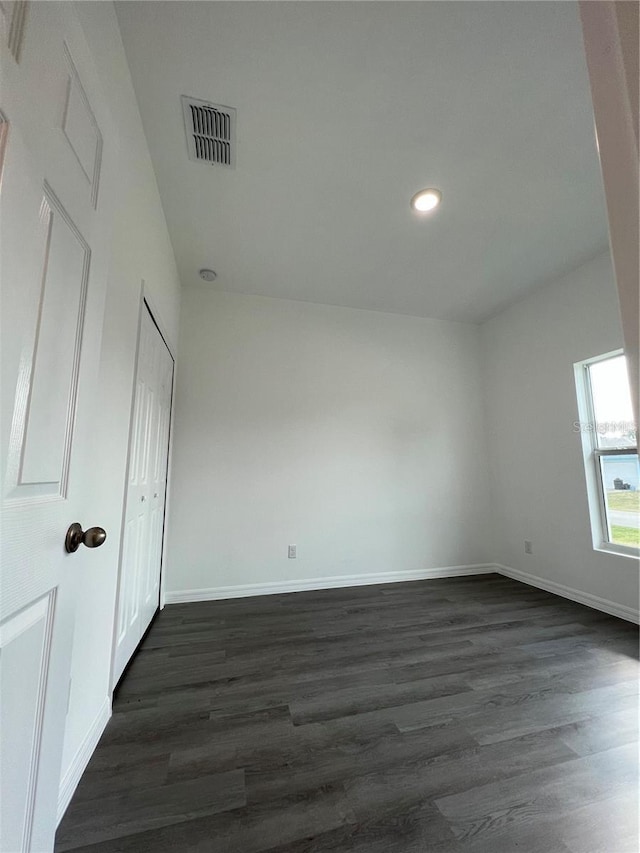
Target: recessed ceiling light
208	275
426	200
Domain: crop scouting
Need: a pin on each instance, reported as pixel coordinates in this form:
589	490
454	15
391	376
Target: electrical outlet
293	552
528	547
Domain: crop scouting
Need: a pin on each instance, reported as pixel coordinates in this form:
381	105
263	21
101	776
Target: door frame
145	302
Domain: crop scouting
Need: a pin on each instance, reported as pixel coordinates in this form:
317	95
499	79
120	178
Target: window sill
618	550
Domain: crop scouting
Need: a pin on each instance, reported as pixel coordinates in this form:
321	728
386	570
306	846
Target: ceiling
344	111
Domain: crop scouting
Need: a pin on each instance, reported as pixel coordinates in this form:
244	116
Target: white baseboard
332	582
69	781
623	611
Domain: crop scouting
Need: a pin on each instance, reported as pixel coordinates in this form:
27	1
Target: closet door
139	587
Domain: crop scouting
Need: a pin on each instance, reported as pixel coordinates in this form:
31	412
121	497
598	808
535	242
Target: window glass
621	484
611	397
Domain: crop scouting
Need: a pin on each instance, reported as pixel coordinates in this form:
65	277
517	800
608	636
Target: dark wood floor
466	715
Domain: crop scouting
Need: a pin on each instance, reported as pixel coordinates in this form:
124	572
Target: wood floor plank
300	769
417	830
111	817
598	734
467	715
552	710
399	786
103	777
245	830
537	802
358	700
594	828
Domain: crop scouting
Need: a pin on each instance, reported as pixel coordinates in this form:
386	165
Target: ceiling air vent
211	131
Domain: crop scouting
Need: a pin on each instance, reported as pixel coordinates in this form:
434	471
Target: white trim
71	778
155	316
619	550
623	611
331	582
125	486
148	297
50	600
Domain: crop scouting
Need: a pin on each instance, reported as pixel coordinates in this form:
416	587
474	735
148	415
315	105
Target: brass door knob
76	536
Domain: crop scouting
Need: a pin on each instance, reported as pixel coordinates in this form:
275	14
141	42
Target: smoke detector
211	132
208	275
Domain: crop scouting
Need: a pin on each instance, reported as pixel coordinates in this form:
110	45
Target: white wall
356	435
538	477
140	250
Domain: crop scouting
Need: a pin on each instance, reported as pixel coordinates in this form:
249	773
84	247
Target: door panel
139	587
25	641
47	424
55	237
82	132
13	18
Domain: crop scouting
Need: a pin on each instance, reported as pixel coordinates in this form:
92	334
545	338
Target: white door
55	208
139	587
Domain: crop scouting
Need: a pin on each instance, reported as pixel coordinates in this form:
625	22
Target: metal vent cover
211	132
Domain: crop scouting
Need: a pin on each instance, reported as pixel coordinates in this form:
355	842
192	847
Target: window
609	438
